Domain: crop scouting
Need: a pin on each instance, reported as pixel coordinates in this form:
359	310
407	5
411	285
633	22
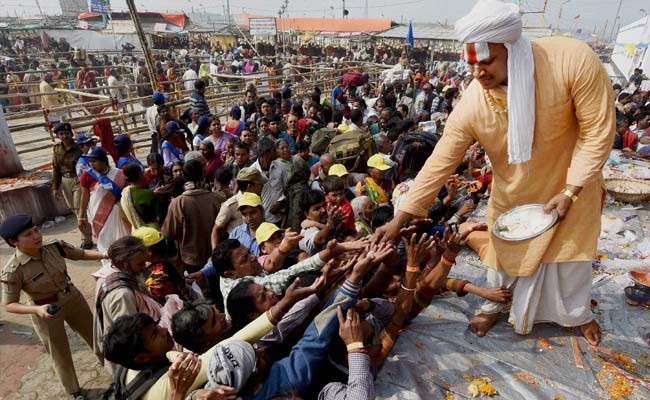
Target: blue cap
203	122
82	138
122	139
172	127
159	97
62	126
14	225
97	152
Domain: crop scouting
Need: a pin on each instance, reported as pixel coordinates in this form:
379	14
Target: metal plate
637	281
498	224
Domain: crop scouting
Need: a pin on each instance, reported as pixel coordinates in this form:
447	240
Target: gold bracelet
570	195
412	269
271	317
355	346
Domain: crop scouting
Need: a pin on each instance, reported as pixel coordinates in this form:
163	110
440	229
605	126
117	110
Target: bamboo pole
143	42
78	93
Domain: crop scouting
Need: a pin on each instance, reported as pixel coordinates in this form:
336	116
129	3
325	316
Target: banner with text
262	26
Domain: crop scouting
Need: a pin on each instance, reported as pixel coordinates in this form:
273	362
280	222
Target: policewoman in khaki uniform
40	271
65	179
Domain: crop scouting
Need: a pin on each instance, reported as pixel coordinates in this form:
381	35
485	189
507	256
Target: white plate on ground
523	222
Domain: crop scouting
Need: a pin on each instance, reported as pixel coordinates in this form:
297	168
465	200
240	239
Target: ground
27	369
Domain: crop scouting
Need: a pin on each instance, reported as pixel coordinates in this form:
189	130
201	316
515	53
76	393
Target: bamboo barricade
181	70
220	98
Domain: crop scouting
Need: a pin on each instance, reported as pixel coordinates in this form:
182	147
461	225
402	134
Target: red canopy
175	19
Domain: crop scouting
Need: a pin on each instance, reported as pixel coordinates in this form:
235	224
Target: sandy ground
26	369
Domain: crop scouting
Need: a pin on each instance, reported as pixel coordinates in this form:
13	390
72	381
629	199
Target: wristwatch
570	195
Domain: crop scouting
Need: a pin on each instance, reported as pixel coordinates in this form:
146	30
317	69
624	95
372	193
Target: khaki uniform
64	176
46	281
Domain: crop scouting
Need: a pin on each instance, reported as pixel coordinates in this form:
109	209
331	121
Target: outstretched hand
290	240
295	293
416	250
183	371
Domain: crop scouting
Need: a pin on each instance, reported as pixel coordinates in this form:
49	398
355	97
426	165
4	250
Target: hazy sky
593	13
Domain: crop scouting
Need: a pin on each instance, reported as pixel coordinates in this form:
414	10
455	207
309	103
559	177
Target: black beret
14	225
62	126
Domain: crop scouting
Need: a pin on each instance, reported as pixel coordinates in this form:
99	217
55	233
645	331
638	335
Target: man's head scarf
492	21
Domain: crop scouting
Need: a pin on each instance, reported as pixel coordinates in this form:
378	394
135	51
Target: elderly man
543	112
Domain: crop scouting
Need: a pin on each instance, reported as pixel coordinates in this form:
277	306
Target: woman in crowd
284	155
364	210
217	135
139	203
119	292
235	125
101	191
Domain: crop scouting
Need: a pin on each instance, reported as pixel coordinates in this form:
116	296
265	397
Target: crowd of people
246	257
175	69
234	224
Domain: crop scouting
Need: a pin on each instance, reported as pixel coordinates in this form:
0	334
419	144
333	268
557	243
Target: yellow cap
377	161
265	231
338	170
149	236
249	199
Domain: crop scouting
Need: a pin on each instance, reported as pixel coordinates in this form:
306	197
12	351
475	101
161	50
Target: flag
409	36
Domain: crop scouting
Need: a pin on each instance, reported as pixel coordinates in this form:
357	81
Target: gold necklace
493	106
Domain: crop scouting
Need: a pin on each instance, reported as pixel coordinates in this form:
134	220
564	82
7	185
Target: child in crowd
162	276
334	189
276	250
320	224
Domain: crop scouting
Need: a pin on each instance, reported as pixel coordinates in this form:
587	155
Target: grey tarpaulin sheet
435	352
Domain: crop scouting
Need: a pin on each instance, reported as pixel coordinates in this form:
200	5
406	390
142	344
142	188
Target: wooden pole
143	42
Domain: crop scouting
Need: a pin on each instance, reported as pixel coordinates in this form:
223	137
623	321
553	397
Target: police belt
58	296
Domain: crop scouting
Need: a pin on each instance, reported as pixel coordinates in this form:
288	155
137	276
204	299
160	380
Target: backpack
412	152
143	381
351	148
321	139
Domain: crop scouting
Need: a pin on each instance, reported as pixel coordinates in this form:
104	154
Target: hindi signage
262	26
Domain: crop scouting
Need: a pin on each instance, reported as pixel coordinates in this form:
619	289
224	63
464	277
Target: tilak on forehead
475	52
492	21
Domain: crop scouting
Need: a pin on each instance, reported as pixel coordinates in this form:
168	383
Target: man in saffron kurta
573	131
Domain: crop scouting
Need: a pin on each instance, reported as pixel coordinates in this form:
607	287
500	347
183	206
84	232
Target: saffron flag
409	36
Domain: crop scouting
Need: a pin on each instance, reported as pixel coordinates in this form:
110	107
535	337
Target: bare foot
591	332
482	323
498	295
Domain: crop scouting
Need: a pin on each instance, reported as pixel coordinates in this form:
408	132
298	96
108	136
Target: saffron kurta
574	130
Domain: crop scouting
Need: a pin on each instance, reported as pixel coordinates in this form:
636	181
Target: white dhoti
558	292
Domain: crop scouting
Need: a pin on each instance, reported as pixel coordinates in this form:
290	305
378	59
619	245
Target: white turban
492	21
